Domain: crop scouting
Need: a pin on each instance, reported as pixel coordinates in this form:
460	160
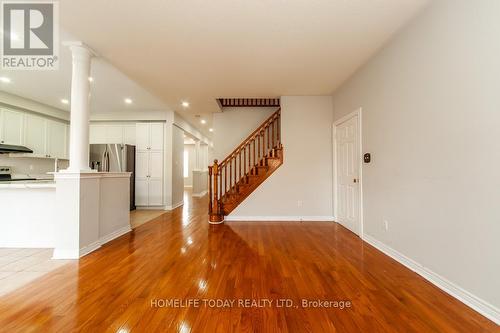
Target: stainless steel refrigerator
115	158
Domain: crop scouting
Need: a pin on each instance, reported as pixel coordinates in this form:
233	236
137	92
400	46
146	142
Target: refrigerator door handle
103	159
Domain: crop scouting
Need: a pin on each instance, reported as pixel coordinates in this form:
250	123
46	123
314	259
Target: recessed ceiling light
203	121
128	101
185	104
4	79
91	79
210	129
64	101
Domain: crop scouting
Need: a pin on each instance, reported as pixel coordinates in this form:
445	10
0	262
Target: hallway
156	278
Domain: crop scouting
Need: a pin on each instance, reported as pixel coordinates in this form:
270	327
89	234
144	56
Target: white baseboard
73	254
114	234
280	218
151	207
199	195
89	248
177	205
472	301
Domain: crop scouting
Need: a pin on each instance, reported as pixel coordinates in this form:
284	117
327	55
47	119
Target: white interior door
347	147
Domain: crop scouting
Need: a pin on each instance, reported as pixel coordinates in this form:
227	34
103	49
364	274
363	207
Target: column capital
80	48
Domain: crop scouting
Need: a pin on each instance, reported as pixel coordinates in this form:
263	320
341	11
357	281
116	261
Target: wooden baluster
245	160
230	173
272	135
254	162
267	140
279	129
225	178
258	148
239	166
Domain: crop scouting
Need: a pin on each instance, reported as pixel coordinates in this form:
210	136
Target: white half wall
234	125
302	187
431	111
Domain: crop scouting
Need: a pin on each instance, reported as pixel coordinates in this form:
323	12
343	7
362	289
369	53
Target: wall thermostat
367	158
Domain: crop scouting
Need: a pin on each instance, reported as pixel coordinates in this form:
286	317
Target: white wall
190	148
306	175
234	125
177	166
25	104
431	111
35	167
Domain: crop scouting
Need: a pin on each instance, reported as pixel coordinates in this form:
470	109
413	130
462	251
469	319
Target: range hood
7	149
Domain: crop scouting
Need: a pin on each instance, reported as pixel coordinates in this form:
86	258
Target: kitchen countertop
38	183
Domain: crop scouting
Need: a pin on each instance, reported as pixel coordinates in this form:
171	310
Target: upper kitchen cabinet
112	134
35	132
56	139
11	127
149	136
129	134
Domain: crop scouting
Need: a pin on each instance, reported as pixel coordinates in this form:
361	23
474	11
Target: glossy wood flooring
124	286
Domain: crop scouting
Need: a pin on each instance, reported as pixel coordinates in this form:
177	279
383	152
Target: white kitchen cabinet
114	134
149	164
141	165
141	192
149	178
149	136
155	192
142	136
11	127
129	134
156	137
46	137
56	139
97	134
35	133
156	164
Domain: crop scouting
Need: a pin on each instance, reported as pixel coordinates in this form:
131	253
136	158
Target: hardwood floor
124	286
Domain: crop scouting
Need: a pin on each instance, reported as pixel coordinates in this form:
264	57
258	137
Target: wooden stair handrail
251	136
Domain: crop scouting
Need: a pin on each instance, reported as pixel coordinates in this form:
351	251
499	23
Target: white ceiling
170	51
198	50
108	90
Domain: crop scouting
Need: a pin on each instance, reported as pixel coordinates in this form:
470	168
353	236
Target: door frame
358	113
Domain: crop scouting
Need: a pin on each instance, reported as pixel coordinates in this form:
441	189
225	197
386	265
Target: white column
80	108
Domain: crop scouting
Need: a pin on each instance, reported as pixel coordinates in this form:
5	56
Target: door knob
355	180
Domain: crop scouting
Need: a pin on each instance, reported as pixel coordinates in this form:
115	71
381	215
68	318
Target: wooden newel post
210	193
